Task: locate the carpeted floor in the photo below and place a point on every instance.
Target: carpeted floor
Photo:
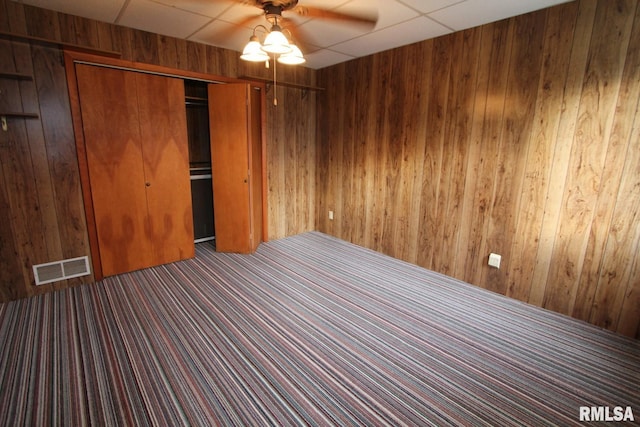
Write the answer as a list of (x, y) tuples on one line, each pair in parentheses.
[(310, 330)]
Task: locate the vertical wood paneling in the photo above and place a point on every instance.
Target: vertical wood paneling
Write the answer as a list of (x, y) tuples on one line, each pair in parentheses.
[(41, 23), (524, 143), (105, 37), (366, 94), (19, 179), (461, 96), (562, 143), (617, 297), (167, 52), (625, 111), (432, 164), (15, 17), (385, 185), (45, 216), (503, 235), (627, 322), (592, 134), (537, 169), (62, 165), (491, 130), (290, 160), (609, 286)]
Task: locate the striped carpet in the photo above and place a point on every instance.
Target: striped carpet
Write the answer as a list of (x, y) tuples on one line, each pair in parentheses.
[(310, 330)]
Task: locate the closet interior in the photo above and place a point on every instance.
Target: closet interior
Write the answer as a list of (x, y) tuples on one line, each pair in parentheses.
[(197, 106)]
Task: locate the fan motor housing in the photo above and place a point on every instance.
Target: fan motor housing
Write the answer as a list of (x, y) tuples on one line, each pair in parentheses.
[(272, 5)]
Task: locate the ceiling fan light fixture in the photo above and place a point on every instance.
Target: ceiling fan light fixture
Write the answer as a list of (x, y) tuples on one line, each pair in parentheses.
[(294, 57), (253, 51), (276, 42)]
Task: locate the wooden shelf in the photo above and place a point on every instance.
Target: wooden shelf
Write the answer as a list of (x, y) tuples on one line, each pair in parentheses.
[(16, 76), (14, 115), (292, 85), (77, 47), (19, 115)]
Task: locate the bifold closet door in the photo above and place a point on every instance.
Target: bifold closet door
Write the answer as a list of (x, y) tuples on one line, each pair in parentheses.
[(236, 166), (165, 149), (134, 128)]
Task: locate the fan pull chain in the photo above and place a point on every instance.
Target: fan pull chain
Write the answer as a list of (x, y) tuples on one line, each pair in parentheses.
[(275, 84)]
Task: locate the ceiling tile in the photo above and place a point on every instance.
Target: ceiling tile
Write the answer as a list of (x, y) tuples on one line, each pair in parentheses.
[(327, 33), (412, 31), (157, 18), (211, 9), (426, 6), (388, 12), (472, 13), (240, 12), (324, 58), (100, 10), (223, 34)]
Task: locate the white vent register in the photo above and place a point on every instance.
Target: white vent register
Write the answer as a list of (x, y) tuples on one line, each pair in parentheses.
[(61, 270)]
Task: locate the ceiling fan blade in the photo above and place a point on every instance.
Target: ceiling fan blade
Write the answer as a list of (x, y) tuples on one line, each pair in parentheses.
[(244, 2), (242, 25), (298, 38), (367, 19), (247, 20)]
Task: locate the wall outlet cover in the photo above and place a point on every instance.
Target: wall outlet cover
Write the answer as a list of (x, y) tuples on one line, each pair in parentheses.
[(494, 260)]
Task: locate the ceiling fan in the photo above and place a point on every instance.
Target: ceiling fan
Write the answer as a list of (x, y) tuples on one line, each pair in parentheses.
[(276, 42), (273, 11)]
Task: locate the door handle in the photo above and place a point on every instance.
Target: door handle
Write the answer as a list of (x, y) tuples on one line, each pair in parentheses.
[(147, 184)]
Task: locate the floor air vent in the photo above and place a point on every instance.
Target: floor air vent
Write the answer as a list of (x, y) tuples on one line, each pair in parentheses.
[(61, 270)]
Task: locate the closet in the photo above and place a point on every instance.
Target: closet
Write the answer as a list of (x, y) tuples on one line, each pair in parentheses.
[(225, 154), (166, 160), (135, 139)]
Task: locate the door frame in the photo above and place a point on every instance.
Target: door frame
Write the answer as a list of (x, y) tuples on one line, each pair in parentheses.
[(72, 57)]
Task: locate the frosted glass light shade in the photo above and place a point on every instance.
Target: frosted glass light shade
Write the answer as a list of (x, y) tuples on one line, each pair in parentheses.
[(276, 42), (253, 51), (292, 58)]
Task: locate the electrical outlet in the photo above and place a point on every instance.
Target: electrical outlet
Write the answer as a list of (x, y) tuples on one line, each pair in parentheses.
[(331, 215), (494, 260)]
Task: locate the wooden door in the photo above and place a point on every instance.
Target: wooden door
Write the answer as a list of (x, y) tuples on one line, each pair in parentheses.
[(235, 166), (135, 137), (110, 122), (255, 167), (165, 153)]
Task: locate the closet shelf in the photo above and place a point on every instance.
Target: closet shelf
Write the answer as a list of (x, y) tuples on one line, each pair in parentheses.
[(195, 99)]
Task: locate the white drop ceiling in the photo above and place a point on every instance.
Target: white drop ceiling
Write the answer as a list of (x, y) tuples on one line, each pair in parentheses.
[(324, 42)]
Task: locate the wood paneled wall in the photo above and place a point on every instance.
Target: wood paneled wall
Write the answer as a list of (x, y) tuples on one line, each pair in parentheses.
[(292, 180), (520, 137), (41, 209)]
